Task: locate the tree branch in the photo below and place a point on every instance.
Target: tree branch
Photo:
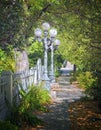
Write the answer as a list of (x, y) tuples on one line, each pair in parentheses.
[(44, 9)]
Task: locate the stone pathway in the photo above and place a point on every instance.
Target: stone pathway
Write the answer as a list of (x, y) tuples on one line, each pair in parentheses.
[(62, 93)]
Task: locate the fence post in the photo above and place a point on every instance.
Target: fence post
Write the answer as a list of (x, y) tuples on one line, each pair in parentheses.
[(9, 88), (35, 75), (39, 70)]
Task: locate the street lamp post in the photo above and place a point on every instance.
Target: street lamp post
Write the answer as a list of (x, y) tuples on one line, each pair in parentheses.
[(48, 40), (55, 43)]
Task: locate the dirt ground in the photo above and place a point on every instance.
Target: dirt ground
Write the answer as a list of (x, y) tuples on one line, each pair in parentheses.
[(84, 115)]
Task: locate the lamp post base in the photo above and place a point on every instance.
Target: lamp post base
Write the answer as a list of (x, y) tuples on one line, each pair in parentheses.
[(47, 82), (47, 85), (52, 77)]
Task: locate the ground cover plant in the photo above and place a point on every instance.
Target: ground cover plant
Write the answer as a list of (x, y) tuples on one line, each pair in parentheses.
[(7, 125), (36, 99)]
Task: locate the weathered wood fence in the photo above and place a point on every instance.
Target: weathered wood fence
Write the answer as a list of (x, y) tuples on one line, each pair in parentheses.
[(11, 83)]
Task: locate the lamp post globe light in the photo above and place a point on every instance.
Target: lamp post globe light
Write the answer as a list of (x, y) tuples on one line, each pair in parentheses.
[(48, 40)]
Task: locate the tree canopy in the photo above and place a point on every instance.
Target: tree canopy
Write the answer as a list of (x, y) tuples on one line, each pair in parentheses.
[(77, 22)]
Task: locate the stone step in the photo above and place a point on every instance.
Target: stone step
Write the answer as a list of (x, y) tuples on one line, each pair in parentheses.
[(64, 83), (63, 90), (73, 95), (69, 90)]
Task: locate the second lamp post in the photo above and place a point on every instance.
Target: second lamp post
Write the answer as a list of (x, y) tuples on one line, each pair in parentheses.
[(54, 44)]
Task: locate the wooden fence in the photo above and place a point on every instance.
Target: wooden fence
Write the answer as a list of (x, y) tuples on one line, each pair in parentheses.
[(11, 83)]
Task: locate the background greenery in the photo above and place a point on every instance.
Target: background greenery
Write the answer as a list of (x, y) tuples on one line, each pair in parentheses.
[(78, 25)]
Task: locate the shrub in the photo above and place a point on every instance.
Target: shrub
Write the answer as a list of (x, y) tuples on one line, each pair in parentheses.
[(7, 125), (86, 80), (35, 99), (57, 73), (7, 62), (31, 119)]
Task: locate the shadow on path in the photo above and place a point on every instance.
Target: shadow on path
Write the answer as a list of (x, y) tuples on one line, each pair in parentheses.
[(63, 93), (57, 117)]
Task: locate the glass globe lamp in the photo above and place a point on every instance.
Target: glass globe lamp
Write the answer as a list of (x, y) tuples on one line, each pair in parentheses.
[(57, 42), (38, 32), (53, 32), (46, 26)]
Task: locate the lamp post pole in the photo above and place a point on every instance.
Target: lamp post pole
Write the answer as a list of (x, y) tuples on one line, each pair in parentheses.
[(45, 56), (52, 63), (47, 38), (55, 43)]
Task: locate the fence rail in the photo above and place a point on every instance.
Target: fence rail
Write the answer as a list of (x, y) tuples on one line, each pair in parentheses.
[(11, 83)]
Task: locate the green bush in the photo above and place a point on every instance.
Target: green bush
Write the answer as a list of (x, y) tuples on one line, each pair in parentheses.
[(35, 99), (86, 80), (57, 73), (31, 119), (8, 64), (7, 125)]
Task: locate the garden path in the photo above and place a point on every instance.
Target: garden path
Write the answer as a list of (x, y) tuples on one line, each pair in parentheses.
[(62, 94)]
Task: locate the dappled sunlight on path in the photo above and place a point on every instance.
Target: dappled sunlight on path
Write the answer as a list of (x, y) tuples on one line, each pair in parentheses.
[(57, 116)]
